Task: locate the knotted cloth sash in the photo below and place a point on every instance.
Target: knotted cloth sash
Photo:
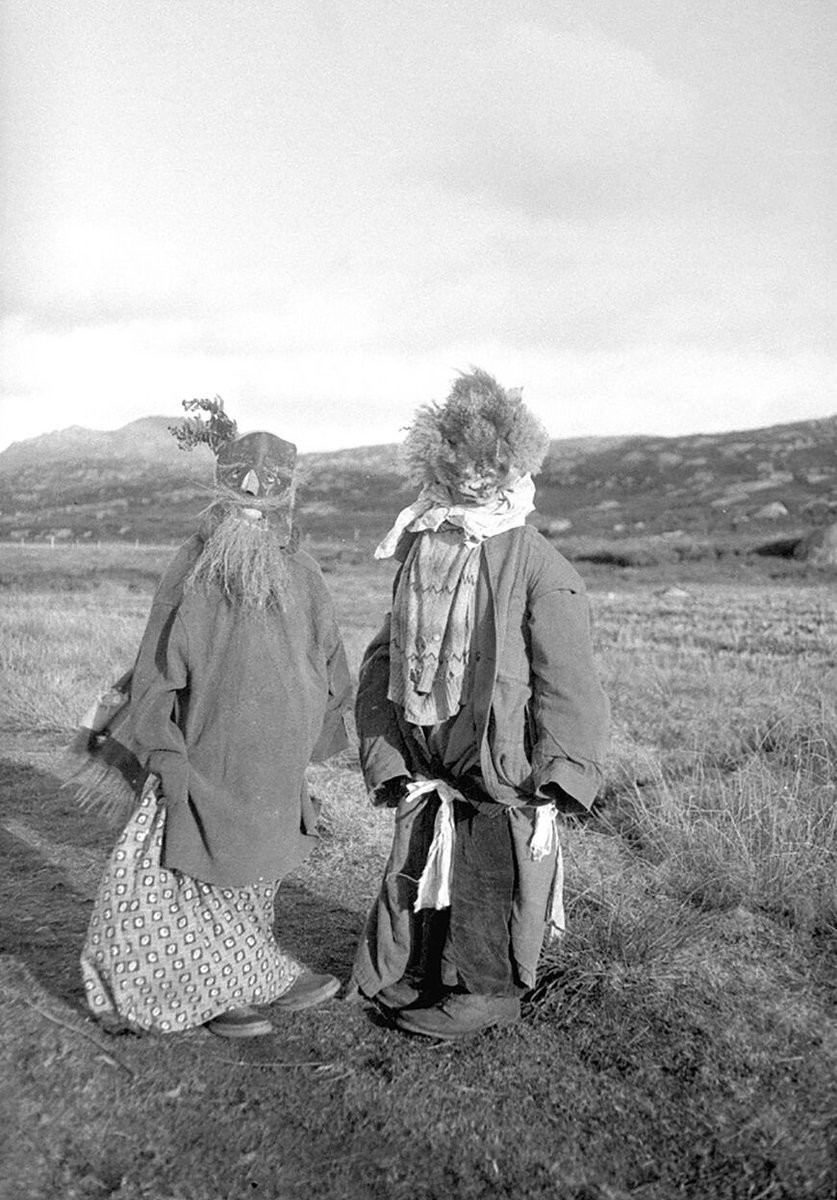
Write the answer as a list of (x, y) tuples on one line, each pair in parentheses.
[(436, 880), (544, 841)]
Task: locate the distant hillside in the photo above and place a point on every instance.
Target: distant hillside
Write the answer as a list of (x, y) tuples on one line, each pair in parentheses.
[(778, 478), (130, 483), (136, 484)]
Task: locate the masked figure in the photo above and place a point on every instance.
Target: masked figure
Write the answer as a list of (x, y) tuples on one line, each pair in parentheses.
[(480, 718), (240, 682)]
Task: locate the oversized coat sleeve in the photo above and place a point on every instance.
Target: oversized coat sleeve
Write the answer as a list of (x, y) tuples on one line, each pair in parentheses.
[(384, 753), (569, 709), (160, 673), (333, 737)]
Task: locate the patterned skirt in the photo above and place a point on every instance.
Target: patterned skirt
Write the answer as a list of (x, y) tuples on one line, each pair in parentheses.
[(168, 953)]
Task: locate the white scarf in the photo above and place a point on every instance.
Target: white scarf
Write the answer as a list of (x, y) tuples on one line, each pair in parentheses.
[(434, 506)]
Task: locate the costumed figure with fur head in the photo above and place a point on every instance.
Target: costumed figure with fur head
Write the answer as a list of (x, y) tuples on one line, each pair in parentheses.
[(480, 718)]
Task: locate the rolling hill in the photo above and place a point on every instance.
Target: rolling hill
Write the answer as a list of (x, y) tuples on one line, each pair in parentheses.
[(136, 484)]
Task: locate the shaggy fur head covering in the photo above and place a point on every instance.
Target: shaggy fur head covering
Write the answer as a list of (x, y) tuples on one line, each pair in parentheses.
[(481, 426)]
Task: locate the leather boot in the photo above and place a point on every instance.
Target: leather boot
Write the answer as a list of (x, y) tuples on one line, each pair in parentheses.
[(459, 1015)]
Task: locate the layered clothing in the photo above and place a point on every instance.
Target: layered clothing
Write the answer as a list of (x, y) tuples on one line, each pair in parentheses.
[(210, 736), (529, 731)]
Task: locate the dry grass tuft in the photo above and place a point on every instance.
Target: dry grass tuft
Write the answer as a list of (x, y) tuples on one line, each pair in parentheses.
[(614, 944)]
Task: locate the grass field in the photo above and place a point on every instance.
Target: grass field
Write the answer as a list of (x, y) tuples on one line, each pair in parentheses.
[(681, 1041)]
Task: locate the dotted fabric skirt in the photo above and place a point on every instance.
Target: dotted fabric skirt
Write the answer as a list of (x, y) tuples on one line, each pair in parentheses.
[(167, 952)]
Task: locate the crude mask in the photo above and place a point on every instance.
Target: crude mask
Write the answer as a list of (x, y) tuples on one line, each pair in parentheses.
[(255, 474)]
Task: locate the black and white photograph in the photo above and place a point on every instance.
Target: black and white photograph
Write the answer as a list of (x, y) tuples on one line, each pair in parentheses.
[(418, 600)]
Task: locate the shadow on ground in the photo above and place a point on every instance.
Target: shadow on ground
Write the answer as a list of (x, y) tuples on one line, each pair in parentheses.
[(315, 930), (53, 855)]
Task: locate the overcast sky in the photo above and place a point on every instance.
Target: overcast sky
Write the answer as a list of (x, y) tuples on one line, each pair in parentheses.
[(322, 209)]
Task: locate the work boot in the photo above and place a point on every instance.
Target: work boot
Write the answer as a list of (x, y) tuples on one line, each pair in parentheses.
[(245, 1022), (460, 1014), (306, 991)]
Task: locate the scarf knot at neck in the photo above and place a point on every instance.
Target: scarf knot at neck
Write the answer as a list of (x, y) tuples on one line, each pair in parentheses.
[(435, 506)]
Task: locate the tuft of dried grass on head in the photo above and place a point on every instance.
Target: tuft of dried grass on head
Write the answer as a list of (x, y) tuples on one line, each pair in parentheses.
[(480, 425)]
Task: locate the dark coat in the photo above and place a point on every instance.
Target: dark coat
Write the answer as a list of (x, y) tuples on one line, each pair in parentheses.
[(537, 717), (228, 706)]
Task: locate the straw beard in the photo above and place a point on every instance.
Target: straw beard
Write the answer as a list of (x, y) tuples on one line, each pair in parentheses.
[(246, 559)]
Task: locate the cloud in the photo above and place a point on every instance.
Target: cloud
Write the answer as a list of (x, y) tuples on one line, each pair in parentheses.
[(732, 312), (479, 272), (557, 122), (329, 398), (619, 217)]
